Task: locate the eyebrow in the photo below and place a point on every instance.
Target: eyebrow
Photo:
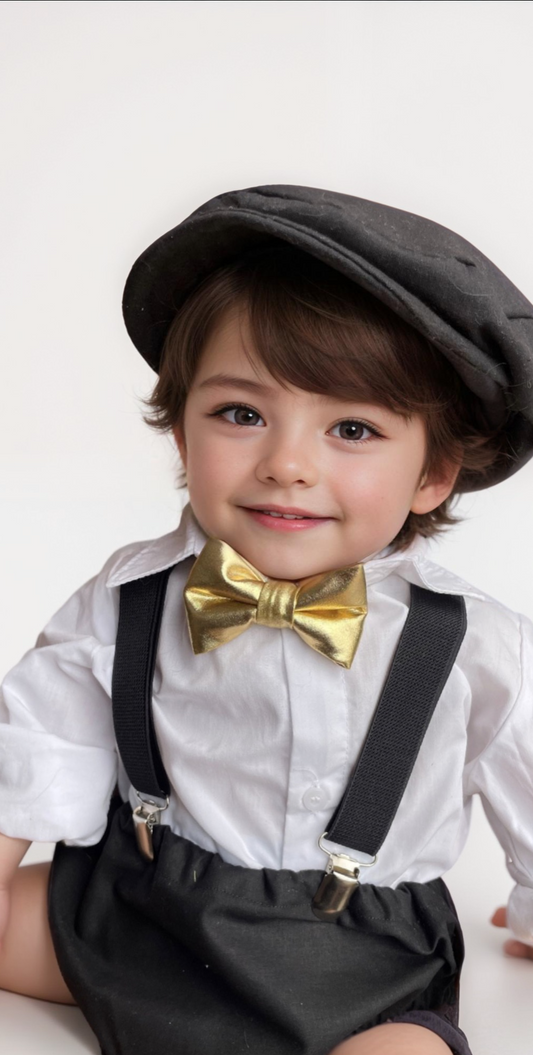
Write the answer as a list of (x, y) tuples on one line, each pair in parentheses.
[(231, 381)]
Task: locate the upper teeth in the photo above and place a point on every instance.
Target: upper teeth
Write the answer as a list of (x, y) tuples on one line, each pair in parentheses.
[(286, 516)]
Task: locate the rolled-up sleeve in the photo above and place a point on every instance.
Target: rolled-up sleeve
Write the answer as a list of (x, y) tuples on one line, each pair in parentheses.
[(58, 760), (503, 777)]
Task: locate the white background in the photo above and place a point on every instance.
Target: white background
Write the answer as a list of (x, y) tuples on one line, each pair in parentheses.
[(117, 120)]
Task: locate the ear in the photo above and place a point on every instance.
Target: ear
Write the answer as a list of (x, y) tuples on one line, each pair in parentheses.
[(434, 489), (179, 436)]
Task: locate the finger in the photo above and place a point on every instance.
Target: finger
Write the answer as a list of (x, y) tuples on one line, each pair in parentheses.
[(519, 949), (499, 917)]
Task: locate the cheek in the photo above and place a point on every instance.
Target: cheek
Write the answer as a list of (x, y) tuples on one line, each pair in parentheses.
[(211, 466), (382, 488)]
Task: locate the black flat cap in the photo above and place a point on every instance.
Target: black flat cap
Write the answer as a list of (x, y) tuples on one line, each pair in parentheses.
[(434, 279)]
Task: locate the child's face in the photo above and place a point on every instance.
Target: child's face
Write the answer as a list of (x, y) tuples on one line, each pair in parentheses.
[(292, 448)]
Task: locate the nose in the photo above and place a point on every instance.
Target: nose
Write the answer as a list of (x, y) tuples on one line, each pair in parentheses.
[(288, 460)]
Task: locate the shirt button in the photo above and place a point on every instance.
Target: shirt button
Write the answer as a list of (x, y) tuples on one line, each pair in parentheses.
[(315, 799)]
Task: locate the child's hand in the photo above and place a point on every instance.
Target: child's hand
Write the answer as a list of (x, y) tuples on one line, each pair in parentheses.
[(512, 947)]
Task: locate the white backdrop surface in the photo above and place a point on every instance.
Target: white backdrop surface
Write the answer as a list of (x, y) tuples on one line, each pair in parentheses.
[(120, 118)]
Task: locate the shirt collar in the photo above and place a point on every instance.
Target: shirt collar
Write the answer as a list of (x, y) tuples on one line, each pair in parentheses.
[(415, 565), (188, 540)]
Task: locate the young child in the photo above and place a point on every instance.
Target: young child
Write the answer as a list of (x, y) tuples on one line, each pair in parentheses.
[(256, 739)]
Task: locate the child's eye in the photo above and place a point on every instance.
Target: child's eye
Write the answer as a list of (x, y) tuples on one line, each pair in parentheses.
[(244, 413), (354, 429)]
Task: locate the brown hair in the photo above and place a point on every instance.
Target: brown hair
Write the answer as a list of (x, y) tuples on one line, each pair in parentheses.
[(315, 329)]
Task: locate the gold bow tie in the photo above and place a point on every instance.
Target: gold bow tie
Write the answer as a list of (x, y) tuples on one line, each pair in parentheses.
[(224, 594)]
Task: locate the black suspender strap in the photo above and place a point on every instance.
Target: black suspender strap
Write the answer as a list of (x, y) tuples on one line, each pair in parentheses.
[(426, 652), (428, 646), (139, 623)]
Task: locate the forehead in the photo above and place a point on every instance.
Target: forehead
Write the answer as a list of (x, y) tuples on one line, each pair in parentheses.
[(229, 359), (229, 340)]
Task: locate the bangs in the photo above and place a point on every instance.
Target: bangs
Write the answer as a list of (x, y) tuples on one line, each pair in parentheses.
[(313, 328)]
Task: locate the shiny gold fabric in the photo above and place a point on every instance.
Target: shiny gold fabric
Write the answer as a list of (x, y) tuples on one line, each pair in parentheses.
[(224, 594)]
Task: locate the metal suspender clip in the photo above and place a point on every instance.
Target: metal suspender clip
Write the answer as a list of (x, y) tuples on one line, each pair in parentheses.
[(145, 817), (340, 880)]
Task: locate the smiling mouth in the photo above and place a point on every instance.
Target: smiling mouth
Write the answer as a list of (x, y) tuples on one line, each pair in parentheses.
[(286, 514), (283, 516), (275, 520)]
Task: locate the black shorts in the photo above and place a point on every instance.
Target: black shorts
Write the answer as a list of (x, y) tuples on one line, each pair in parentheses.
[(189, 954)]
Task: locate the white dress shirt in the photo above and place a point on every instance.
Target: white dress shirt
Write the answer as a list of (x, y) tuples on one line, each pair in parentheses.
[(259, 736)]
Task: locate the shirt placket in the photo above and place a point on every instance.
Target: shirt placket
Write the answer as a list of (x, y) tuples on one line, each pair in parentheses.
[(319, 756)]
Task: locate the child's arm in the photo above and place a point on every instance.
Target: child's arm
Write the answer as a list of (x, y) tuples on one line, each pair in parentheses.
[(11, 853), (500, 769), (58, 759)]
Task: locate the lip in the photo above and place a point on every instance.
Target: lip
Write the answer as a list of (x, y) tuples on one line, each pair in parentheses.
[(288, 509), (279, 524)]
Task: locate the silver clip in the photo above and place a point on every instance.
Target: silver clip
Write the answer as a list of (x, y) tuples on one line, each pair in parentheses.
[(145, 817), (338, 883)]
